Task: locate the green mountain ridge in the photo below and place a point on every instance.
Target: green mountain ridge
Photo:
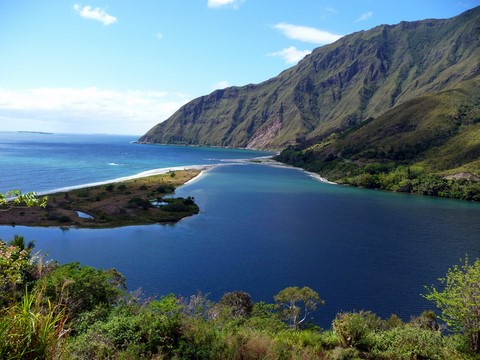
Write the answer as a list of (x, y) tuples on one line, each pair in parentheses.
[(335, 88), (439, 132)]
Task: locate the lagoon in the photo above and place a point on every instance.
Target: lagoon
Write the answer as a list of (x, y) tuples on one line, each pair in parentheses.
[(263, 228)]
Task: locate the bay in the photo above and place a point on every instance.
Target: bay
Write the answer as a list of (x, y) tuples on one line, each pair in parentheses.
[(44, 162), (263, 228)]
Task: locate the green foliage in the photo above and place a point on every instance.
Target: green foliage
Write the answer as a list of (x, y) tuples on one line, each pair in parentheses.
[(16, 198), (459, 301), (19, 242), (410, 148), (180, 204), (82, 288), (409, 342), (166, 188), (15, 265), (32, 330), (413, 179), (426, 321), (78, 312), (357, 329), (264, 318), (238, 304), (291, 300), (138, 202)]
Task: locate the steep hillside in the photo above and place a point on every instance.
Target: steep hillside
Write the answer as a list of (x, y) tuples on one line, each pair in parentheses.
[(420, 146), (338, 86), (439, 131)]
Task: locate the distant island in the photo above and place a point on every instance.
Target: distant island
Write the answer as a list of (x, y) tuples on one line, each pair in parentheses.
[(36, 132), (145, 200)]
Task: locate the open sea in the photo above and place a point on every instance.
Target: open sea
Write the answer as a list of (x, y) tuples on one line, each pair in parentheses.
[(260, 228)]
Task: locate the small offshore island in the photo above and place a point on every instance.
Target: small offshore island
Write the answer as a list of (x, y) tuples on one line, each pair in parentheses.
[(137, 201)]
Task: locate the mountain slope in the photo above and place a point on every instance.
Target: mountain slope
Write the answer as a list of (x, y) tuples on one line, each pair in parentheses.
[(439, 132), (338, 86)]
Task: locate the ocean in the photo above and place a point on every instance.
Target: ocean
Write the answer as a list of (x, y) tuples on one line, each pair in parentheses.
[(44, 162), (260, 228)]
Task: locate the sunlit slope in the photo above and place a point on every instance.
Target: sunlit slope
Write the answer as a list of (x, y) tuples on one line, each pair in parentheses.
[(338, 86)]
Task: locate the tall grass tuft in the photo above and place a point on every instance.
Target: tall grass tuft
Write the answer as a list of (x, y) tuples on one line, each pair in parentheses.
[(33, 329)]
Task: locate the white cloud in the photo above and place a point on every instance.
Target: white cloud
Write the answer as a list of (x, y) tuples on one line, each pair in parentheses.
[(87, 110), (222, 3), (159, 36), (307, 34), (364, 16), (291, 55), (221, 85), (97, 14)]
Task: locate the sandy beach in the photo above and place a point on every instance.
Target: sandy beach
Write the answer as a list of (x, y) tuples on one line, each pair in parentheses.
[(143, 174)]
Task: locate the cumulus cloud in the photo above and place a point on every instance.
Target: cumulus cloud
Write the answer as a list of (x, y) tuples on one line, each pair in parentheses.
[(291, 55), (235, 4), (97, 14), (365, 16), (307, 34), (220, 85), (87, 109)]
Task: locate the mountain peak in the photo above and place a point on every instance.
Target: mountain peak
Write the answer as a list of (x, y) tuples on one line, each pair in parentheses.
[(362, 75)]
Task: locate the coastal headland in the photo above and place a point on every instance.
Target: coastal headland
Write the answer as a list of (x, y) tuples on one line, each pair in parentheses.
[(137, 200)]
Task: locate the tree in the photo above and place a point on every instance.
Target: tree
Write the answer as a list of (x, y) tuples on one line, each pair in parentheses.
[(294, 302), (460, 301), (238, 303)]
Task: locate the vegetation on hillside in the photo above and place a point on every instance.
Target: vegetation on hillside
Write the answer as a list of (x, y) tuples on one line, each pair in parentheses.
[(53, 311), (428, 146)]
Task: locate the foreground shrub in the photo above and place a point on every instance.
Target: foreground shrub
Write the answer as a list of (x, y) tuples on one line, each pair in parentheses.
[(410, 342), (30, 330), (357, 329), (133, 329), (15, 267), (459, 301), (83, 288)]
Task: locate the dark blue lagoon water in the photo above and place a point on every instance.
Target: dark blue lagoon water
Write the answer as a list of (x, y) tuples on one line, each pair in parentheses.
[(263, 228)]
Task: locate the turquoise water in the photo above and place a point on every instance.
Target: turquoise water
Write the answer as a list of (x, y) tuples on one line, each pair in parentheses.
[(43, 162), (263, 228)]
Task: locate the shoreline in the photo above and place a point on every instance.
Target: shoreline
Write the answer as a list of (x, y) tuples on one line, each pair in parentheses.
[(144, 198), (143, 174), (119, 202), (264, 160), (269, 161)]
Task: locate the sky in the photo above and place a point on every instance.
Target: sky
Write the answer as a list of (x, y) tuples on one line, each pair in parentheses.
[(122, 66)]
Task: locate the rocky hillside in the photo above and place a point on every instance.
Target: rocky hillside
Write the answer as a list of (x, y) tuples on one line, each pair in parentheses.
[(361, 77)]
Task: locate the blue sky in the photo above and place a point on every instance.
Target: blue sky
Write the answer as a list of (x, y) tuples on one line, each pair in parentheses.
[(123, 66)]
